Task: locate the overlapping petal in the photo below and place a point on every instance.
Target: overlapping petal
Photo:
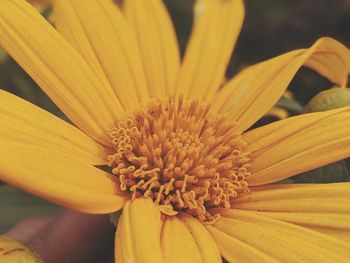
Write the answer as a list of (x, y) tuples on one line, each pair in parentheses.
[(235, 250), (315, 198), (60, 71), (48, 157), (333, 224), (157, 42), (138, 233), (100, 33), (21, 121), (320, 207), (250, 94), (280, 240), (57, 176), (206, 245), (144, 236), (177, 242), (298, 144), (215, 31)]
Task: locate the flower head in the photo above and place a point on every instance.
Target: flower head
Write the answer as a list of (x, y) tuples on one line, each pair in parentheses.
[(193, 184), (182, 157)]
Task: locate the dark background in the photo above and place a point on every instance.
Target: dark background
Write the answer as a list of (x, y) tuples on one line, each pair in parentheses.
[(273, 27)]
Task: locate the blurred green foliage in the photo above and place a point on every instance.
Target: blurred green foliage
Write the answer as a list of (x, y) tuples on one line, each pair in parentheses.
[(331, 173), (329, 99), (335, 172), (16, 205)]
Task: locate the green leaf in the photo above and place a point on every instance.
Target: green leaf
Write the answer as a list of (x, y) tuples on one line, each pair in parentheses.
[(289, 104), (16, 205), (335, 172), (114, 217), (3, 56), (331, 173), (329, 99)]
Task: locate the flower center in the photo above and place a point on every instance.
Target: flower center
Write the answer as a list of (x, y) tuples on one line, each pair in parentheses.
[(182, 156)]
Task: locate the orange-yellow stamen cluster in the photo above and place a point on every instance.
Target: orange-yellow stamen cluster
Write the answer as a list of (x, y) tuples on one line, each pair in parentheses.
[(182, 156)]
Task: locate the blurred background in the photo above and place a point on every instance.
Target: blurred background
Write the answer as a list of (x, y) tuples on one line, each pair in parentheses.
[(271, 27)]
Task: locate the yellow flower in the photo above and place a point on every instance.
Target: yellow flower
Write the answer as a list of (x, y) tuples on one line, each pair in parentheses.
[(193, 183)]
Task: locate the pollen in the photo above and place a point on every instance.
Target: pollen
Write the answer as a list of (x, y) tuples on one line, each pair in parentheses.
[(182, 156)]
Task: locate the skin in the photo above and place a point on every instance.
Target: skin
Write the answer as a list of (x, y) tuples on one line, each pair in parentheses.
[(70, 237)]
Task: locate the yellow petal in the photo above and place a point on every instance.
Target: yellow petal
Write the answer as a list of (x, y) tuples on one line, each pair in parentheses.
[(12, 251), (315, 198), (157, 42), (57, 176), (264, 136), (138, 233), (99, 32), (331, 220), (298, 144), (235, 250), (177, 242), (22, 121), (283, 241), (334, 232), (59, 70), (215, 32), (278, 186), (334, 224), (208, 249), (250, 94)]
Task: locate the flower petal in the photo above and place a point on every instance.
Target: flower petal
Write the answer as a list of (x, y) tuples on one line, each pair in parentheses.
[(57, 176), (235, 250), (177, 242), (283, 241), (315, 198), (58, 69), (21, 121), (250, 94), (157, 42), (99, 32), (138, 233), (208, 249), (327, 218), (336, 222), (12, 250), (340, 233), (298, 144), (215, 32)]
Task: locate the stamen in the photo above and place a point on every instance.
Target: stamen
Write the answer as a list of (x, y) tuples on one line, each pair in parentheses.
[(182, 156)]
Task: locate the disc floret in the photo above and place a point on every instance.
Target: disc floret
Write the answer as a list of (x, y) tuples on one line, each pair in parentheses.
[(181, 156)]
